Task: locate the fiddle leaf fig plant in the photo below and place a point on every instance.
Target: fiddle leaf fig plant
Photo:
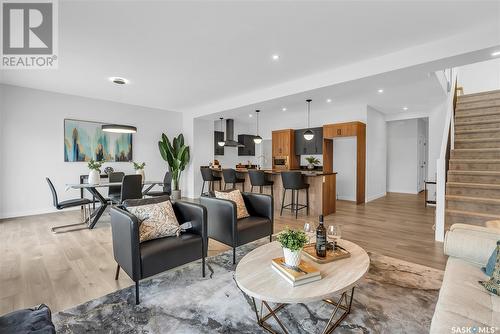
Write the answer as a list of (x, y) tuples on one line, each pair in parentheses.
[(176, 154)]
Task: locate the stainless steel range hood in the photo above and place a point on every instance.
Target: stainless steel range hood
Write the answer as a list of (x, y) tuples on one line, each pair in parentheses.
[(230, 142)]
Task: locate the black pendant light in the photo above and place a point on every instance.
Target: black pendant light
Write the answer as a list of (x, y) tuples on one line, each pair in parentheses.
[(308, 134), (221, 142), (117, 128), (257, 139)]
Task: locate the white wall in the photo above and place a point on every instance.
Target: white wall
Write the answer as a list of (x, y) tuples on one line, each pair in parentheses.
[(344, 163), (376, 155), (32, 144), (402, 156), (480, 77)]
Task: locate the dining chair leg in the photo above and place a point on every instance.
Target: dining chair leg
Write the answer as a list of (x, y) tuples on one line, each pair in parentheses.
[(283, 201), (202, 187), (234, 185), (307, 200), (272, 191), (261, 189), (297, 204), (117, 274), (225, 184), (220, 185)]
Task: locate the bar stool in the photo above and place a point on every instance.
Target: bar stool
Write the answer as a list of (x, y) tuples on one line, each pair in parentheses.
[(295, 182), (208, 176), (258, 179), (230, 176)]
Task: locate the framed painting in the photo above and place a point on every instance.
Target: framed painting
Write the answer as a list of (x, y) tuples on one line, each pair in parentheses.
[(84, 141)]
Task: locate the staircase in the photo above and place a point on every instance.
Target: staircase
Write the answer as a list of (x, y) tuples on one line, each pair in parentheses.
[(473, 183)]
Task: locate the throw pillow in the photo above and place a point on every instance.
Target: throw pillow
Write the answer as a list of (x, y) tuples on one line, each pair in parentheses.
[(235, 196), (156, 220), (493, 285), (490, 266)]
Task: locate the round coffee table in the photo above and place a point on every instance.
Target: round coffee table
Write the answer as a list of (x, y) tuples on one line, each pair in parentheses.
[(257, 279)]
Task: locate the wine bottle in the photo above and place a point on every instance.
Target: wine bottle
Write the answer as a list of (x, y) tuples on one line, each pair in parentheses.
[(321, 238)]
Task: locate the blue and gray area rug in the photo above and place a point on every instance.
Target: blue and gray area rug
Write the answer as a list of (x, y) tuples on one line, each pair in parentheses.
[(394, 297)]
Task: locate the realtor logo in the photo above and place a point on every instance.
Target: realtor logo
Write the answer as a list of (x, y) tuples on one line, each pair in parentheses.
[(29, 34)]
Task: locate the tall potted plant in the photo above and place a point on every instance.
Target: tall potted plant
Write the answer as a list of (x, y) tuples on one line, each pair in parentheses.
[(176, 154)]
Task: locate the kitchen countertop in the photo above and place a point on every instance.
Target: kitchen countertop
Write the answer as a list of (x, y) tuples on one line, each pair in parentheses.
[(278, 171)]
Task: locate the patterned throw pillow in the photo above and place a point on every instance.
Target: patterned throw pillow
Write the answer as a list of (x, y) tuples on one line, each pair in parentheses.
[(156, 220), (493, 285), (235, 196)]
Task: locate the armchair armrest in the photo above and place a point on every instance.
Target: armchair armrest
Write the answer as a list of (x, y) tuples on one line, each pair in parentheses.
[(197, 215), (471, 243), (221, 219), (259, 205), (126, 248)]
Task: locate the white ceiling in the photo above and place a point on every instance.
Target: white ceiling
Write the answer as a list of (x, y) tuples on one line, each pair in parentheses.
[(184, 54)]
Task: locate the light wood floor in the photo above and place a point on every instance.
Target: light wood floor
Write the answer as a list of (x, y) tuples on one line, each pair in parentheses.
[(63, 270)]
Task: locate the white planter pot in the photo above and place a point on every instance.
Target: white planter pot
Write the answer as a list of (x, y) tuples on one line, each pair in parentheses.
[(310, 166), (176, 195), (94, 177), (292, 258), (141, 172)]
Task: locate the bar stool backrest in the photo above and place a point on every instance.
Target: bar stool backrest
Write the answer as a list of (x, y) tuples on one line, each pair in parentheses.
[(292, 180), (229, 175), (257, 178)]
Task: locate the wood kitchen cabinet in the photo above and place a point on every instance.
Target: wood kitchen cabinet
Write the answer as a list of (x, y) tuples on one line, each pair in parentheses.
[(284, 146)]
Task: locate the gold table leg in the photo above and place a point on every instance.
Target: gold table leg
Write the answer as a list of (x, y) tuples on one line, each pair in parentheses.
[(343, 303)]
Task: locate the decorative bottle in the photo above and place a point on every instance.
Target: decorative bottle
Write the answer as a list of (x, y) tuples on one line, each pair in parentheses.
[(321, 238)]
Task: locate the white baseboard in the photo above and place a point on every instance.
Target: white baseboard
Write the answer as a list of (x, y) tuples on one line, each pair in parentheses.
[(374, 197), (346, 198), (402, 191)]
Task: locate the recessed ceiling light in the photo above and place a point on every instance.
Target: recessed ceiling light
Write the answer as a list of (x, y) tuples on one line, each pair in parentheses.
[(380, 91), (119, 81), (250, 115), (496, 53), (328, 100), (276, 57), (405, 108), (283, 109)]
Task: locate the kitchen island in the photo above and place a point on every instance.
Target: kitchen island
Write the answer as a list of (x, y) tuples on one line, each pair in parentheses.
[(322, 190)]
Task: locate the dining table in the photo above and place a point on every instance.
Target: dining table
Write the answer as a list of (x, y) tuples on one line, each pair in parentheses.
[(93, 190)]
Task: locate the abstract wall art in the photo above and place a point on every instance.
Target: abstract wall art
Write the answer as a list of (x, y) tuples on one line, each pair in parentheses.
[(84, 140)]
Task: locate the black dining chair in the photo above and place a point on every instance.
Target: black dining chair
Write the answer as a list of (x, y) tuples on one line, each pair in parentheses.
[(115, 192), (208, 176), (294, 181), (131, 187), (71, 203), (258, 178), (230, 176), (167, 187)]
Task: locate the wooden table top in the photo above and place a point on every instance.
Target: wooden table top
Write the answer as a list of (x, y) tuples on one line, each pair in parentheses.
[(257, 279), (278, 171)]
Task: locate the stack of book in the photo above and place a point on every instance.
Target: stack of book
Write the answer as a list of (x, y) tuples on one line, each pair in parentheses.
[(302, 274)]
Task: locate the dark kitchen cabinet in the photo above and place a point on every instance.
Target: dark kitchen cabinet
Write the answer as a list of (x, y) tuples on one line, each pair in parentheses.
[(313, 146), (218, 136), (249, 149)]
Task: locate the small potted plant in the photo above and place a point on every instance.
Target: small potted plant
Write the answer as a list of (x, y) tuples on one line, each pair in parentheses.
[(95, 171), (139, 169), (312, 162), (292, 242)]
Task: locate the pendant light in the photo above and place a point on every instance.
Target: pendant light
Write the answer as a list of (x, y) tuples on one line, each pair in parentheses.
[(257, 139), (308, 134), (221, 142), (117, 128)]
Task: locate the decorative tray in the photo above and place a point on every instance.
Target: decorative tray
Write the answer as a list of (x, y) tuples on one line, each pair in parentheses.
[(331, 255)]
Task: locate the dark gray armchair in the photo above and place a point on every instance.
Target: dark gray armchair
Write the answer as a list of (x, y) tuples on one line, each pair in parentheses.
[(142, 260), (224, 227)]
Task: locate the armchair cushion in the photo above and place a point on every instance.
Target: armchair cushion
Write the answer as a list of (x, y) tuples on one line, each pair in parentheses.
[(162, 254), (156, 220), (253, 228), (235, 196)]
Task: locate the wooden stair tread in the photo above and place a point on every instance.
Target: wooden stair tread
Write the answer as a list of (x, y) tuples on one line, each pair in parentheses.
[(475, 172), (478, 122), (459, 132), (473, 185), (473, 199), (489, 92), (485, 110), (475, 160), (472, 214), (487, 149), (476, 140)]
